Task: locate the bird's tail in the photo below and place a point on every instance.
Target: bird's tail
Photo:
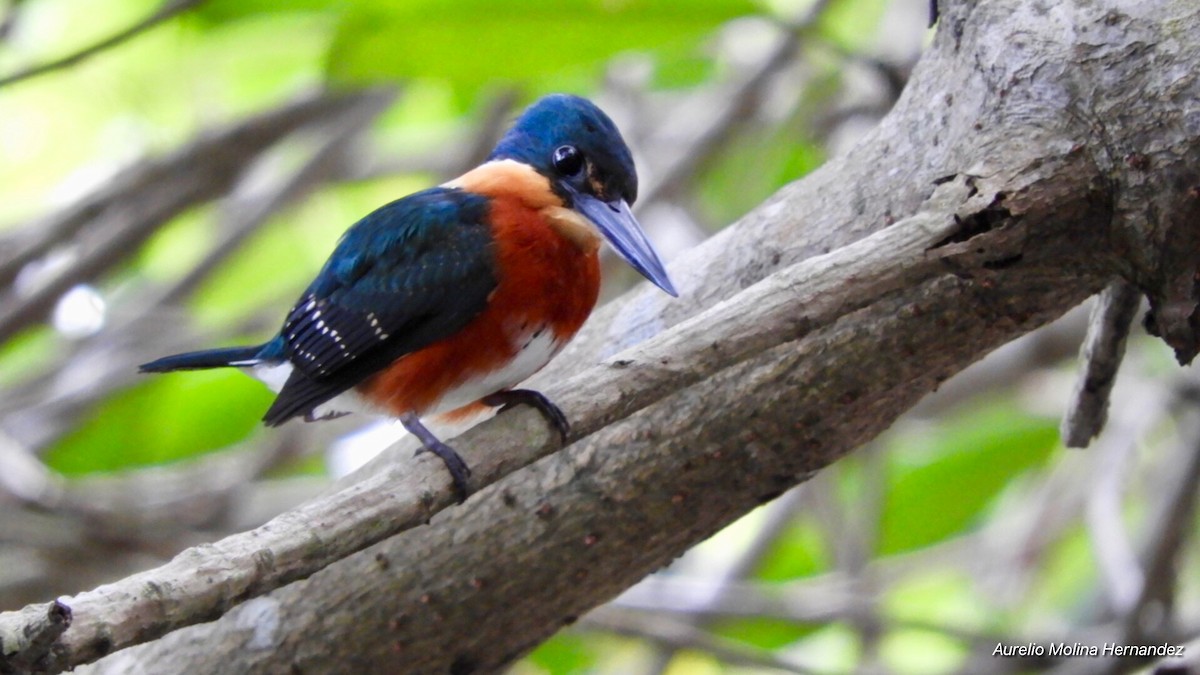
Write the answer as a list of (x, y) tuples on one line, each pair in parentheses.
[(209, 358)]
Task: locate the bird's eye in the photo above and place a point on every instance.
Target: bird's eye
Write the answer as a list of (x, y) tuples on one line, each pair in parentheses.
[(567, 159)]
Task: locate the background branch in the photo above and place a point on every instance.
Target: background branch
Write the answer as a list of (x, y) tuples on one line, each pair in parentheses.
[(1100, 358), (170, 9), (135, 205)]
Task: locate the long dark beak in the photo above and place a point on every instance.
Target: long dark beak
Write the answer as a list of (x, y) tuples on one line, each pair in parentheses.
[(622, 230)]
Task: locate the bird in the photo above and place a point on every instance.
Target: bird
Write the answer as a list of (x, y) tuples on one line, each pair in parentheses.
[(440, 303)]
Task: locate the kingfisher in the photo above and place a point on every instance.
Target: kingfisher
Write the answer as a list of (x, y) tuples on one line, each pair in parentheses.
[(440, 303)]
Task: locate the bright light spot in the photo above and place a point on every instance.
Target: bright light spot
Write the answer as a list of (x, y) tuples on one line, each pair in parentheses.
[(79, 312), (358, 447)]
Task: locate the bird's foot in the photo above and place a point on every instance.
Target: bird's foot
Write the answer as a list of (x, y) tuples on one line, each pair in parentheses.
[(512, 397), (459, 471)]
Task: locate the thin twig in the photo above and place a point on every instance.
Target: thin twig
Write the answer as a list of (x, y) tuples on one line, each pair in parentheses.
[(8, 21), (495, 119), (741, 103), (779, 515), (1151, 616), (1100, 359), (167, 11), (1115, 553), (857, 548), (676, 635), (244, 216), (827, 598), (222, 150), (47, 623)]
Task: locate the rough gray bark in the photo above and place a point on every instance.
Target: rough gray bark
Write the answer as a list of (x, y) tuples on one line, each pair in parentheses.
[(1076, 122)]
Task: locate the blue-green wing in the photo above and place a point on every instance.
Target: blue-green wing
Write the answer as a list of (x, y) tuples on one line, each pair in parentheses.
[(409, 274)]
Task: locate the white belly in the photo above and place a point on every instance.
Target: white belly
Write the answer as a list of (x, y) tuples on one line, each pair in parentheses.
[(536, 350)]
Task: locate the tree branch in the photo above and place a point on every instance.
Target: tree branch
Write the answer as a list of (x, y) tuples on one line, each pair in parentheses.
[(751, 402), (169, 10), (782, 308), (20, 649)]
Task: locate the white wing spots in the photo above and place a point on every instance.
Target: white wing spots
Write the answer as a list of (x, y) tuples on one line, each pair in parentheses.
[(376, 327), (312, 336)]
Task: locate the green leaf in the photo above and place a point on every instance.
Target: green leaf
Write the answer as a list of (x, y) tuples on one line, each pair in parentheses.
[(753, 168), (923, 652), (799, 552), (1067, 580), (853, 24), (169, 417), (572, 652), (471, 43), (682, 69), (764, 632), (939, 484), (694, 662), (178, 246), (940, 596), (26, 354)]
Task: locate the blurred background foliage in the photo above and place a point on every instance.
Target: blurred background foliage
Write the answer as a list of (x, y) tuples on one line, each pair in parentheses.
[(123, 236)]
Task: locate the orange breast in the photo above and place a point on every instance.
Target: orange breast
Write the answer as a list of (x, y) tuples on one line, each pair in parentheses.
[(544, 281)]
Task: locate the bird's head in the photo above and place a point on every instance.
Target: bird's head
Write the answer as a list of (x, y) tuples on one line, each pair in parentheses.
[(579, 150)]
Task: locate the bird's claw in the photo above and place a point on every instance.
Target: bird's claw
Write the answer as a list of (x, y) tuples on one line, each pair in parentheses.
[(513, 397), (459, 471)]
